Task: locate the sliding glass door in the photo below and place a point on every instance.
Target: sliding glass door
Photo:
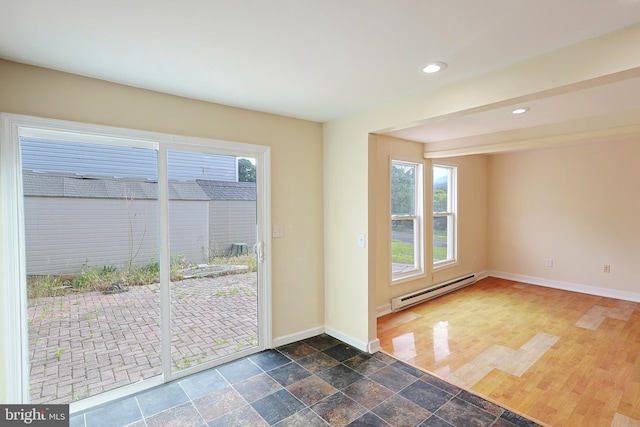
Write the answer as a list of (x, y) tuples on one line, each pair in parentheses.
[(214, 274), (91, 243), (141, 257)]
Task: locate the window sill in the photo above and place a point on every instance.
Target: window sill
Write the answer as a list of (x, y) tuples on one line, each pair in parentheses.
[(407, 277), (444, 264)]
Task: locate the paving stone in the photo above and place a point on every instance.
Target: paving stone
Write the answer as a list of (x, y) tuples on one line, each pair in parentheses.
[(114, 339)]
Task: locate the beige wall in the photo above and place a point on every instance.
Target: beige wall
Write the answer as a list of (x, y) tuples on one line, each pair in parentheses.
[(333, 195), (351, 281), (578, 206), (296, 165), (345, 173), (472, 218)]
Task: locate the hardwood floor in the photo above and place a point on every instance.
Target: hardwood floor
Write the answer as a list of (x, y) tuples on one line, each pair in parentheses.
[(559, 357)]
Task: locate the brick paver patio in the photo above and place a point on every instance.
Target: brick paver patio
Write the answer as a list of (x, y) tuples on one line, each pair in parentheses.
[(83, 344)]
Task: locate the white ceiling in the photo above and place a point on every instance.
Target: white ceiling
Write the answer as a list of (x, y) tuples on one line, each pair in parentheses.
[(312, 59), (588, 103)]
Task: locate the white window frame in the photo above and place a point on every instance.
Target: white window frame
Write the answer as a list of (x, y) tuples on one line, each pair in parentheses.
[(451, 214), (417, 217), (14, 361)]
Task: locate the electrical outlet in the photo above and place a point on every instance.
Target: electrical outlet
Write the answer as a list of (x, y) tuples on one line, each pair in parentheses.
[(549, 262), (607, 268)]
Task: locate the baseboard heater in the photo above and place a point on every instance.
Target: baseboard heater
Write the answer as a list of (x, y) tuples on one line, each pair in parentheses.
[(413, 298)]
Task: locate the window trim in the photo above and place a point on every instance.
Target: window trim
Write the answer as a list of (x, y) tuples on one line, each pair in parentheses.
[(419, 270), (451, 213)]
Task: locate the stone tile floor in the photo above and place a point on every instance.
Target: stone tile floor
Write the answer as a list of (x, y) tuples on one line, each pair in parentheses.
[(87, 343), (319, 381)]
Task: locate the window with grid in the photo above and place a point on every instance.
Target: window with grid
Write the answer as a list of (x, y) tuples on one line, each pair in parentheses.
[(407, 241), (444, 214)]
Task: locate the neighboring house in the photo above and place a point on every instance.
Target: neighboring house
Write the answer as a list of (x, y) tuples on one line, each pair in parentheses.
[(74, 221), (43, 155)]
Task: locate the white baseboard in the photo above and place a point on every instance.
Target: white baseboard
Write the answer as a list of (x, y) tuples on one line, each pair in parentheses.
[(482, 275), (360, 345), (374, 346), (383, 310), (567, 286), (370, 347), (298, 336)]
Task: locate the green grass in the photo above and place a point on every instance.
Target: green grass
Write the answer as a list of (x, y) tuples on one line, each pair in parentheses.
[(98, 278), (45, 286), (402, 252), (439, 253), (247, 259)]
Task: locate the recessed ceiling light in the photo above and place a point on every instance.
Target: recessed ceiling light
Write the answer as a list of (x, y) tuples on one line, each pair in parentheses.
[(520, 110), (434, 67)]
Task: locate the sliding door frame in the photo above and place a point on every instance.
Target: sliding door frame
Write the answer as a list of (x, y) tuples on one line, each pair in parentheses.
[(14, 360)]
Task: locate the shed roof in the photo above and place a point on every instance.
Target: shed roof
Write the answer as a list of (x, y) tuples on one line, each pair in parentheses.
[(227, 190), (100, 187)]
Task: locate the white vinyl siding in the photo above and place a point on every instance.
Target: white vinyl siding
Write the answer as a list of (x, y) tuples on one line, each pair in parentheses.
[(63, 235), (183, 166), (232, 221), (41, 155), (189, 230)]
